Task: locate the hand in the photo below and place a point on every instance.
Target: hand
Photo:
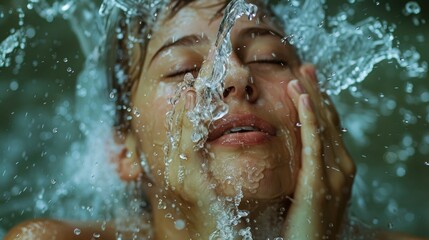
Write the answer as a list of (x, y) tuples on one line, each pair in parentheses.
[(327, 171), (188, 177), (185, 164)]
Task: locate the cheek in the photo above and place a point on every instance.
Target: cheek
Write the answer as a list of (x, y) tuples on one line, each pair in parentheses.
[(150, 126), (164, 90), (152, 123), (274, 98), (284, 114), (152, 102)]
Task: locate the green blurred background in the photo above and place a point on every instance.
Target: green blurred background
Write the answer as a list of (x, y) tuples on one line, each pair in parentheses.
[(37, 125)]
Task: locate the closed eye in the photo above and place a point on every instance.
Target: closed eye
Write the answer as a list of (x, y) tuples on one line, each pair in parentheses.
[(181, 72), (269, 61)]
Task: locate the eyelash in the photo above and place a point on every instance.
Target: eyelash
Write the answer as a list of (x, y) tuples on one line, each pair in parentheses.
[(182, 72), (270, 61)]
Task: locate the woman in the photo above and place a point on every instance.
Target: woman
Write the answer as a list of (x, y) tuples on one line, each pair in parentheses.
[(273, 167)]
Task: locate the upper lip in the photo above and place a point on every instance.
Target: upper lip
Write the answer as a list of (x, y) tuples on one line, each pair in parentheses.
[(221, 126)]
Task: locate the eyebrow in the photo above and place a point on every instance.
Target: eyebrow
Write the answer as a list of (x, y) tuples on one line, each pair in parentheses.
[(185, 41)]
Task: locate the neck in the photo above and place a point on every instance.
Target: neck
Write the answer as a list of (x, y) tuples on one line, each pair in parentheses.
[(223, 219)]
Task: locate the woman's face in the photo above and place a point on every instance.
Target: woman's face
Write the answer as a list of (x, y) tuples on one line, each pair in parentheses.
[(256, 146)]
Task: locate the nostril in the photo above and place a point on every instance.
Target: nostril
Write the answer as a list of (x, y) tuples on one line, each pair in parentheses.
[(227, 91), (249, 90)]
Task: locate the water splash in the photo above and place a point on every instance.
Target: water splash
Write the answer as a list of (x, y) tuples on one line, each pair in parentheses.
[(209, 85), (16, 42), (333, 47), (57, 9), (210, 106), (228, 218), (7, 46)]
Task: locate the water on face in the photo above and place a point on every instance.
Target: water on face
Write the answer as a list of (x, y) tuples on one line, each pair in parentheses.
[(345, 53), (209, 88)]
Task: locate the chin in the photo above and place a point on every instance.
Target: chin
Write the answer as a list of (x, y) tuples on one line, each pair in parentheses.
[(275, 184), (253, 174)]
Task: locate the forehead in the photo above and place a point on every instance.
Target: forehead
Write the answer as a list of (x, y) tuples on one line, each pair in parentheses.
[(193, 18)]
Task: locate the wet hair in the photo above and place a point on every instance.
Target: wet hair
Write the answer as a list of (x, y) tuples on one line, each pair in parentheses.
[(126, 58)]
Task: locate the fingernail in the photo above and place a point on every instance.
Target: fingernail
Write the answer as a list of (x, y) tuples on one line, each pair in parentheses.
[(297, 86), (307, 102)]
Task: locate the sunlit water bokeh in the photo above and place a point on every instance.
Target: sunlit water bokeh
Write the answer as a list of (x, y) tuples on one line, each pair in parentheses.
[(54, 160)]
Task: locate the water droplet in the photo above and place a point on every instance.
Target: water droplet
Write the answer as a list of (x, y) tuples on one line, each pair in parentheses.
[(161, 204), (136, 112), (427, 163), (69, 70), (251, 80), (288, 40), (13, 85), (30, 32), (53, 181), (113, 94), (76, 231), (412, 7), (67, 6), (401, 171), (96, 235), (183, 156), (409, 87), (55, 130), (251, 11), (103, 226)]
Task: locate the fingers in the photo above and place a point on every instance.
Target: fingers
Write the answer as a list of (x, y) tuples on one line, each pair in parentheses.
[(312, 165), (337, 158), (322, 123), (321, 178), (308, 203), (181, 146), (186, 174)]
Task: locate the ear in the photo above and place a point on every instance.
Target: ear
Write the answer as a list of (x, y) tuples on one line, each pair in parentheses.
[(128, 160)]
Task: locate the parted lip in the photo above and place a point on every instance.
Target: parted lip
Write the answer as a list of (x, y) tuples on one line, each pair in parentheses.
[(222, 126)]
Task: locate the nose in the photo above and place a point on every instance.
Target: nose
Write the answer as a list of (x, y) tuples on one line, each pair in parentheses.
[(239, 84)]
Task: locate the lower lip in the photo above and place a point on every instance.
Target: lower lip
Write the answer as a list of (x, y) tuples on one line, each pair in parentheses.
[(242, 139)]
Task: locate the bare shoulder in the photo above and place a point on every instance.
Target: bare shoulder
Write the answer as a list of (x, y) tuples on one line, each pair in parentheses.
[(58, 230), (386, 235)]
